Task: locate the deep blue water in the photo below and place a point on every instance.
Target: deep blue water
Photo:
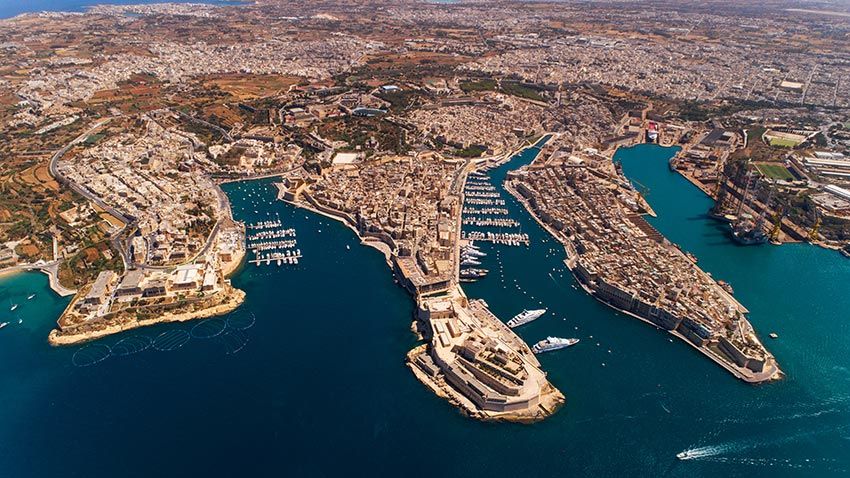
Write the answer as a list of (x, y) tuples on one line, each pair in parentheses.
[(317, 386), (11, 8)]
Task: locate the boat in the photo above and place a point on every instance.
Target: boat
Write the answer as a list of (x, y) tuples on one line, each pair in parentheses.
[(774, 335), (4, 324), (470, 262), (652, 132), (30, 297), (748, 233), (552, 343), (474, 253), (14, 306), (471, 275), (525, 317), (686, 455), (722, 216)]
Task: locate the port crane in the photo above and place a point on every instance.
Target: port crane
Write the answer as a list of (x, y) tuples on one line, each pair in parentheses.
[(777, 225), (813, 234)]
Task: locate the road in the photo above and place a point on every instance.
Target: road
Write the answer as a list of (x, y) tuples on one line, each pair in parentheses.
[(116, 241)]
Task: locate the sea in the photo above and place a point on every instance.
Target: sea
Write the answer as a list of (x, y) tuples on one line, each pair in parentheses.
[(11, 8), (308, 378)]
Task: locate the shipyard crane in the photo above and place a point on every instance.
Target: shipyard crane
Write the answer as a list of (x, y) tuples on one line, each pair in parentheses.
[(777, 225), (813, 234)]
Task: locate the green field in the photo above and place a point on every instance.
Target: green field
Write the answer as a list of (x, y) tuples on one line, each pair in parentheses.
[(482, 85), (775, 171), (783, 143)]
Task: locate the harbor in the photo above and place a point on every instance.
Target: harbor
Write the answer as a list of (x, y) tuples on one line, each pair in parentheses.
[(772, 430)]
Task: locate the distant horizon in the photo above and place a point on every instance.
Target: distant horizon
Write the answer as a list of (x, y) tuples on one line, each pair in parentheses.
[(13, 8)]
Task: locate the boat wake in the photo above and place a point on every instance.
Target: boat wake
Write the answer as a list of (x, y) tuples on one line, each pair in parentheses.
[(716, 452), (706, 452)]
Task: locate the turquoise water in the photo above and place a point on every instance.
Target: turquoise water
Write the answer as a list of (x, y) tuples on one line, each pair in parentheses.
[(10, 8), (308, 377)]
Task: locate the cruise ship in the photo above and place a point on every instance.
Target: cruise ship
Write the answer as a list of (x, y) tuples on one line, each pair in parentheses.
[(652, 132), (552, 343), (525, 317)]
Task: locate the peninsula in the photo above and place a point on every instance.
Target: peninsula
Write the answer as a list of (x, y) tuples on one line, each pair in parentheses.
[(409, 207), (586, 203)]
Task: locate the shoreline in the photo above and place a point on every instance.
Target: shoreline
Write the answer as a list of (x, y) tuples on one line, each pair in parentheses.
[(52, 280), (235, 299)]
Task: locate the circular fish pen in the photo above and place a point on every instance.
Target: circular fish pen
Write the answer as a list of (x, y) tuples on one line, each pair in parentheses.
[(90, 355), (233, 341), (208, 328), (241, 321), (171, 340), (131, 345)]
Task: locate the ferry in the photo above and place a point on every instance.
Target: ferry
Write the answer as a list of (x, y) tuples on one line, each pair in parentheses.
[(552, 343), (525, 317)]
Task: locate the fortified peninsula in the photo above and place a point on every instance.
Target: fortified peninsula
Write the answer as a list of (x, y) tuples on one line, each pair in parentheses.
[(586, 203), (410, 208)]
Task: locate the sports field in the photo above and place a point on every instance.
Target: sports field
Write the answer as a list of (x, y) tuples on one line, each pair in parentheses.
[(775, 171)]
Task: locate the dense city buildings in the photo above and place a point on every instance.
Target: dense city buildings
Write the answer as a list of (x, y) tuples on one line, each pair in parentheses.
[(623, 261)]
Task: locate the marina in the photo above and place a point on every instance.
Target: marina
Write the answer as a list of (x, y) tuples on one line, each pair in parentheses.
[(271, 243)]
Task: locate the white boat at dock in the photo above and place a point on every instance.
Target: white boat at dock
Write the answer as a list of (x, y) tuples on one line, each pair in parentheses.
[(525, 317)]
